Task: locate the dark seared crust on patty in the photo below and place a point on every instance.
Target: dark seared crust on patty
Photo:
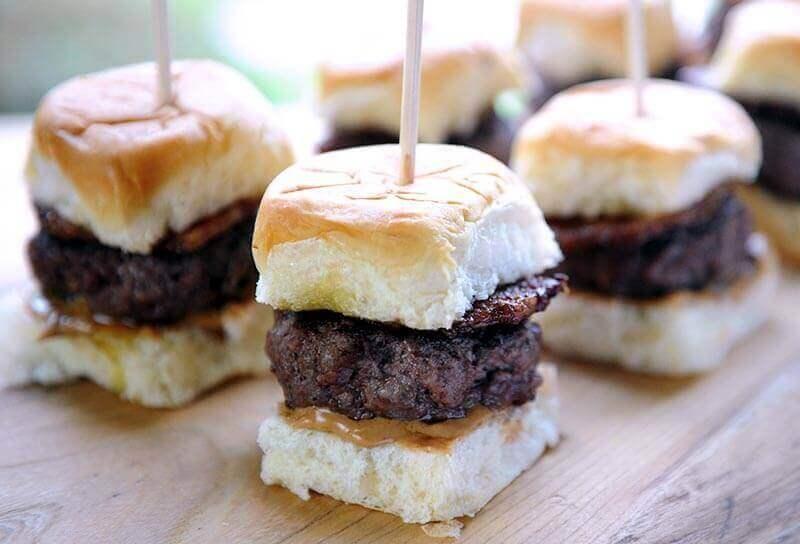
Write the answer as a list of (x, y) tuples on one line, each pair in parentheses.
[(493, 135), (364, 369), (512, 304), (702, 246), (160, 288)]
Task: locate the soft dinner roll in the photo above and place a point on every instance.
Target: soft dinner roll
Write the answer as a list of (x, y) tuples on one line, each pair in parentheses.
[(759, 55), (460, 80), (587, 153), (569, 41), (416, 484), (152, 366), (355, 241), (107, 157), (681, 334)]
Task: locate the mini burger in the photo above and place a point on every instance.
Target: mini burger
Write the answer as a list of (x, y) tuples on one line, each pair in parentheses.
[(758, 65), (403, 340), (142, 259), (360, 101), (665, 271), (567, 42)]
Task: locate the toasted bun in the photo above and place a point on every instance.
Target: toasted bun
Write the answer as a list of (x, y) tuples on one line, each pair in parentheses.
[(759, 55), (681, 334), (106, 157), (779, 219), (586, 153), (155, 368), (338, 232), (417, 485), (459, 83), (570, 41)]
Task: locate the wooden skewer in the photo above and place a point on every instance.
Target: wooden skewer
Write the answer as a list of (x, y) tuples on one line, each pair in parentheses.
[(412, 68), (637, 53), (163, 56)]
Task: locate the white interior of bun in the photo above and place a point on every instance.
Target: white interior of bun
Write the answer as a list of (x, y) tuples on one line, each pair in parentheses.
[(507, 243), (418, 486), (572, 186), (157, 369), (681, 334)]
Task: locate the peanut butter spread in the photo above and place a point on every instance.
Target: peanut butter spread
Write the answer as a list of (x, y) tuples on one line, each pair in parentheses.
[(370, 433)]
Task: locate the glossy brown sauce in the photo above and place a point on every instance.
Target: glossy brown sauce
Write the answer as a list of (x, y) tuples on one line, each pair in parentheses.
[(369, 433), (74, 318)]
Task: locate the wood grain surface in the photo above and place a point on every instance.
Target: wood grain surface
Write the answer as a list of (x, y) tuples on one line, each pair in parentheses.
[(643, 460)]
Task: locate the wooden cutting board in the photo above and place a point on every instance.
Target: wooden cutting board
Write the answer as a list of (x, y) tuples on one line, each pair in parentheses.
[(712, 459)]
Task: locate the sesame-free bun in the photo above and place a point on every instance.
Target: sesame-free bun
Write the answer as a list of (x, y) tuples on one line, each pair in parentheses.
[(417, 485), (680, 334), (156, 367), (339, 232), (778, 218), (460, 80), (758, 57), (569, 41), (587, 153), (106, 156)]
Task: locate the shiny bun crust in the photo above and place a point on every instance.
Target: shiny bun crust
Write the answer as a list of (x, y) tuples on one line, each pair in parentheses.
[(759, 55), (108, 158), (587, 154), (459, 83), (338, 232), (570, 41)]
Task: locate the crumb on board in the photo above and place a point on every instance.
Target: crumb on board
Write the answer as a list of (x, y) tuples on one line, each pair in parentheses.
[(444, 529)]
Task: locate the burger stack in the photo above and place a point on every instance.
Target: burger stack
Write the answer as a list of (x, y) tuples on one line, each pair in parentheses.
[(142, 259), (758, 64), (403, 339), (666, 273), (567, 42), (360, 99)]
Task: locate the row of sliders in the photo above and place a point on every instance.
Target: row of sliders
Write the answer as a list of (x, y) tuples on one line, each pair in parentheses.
[(403, 321)]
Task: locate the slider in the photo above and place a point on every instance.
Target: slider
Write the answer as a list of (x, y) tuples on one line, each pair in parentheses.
[(666, 273), (360, 100), (403, 338), (567, 42), (142, 258), (758, 65)]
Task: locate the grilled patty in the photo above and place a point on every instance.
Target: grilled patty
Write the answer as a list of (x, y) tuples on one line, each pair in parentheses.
[(364, 369), (492, 135), (702, 246), (203, 268)]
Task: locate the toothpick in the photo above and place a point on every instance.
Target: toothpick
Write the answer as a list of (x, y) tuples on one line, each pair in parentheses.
[(637, 53), (161, 25), (412, 68)]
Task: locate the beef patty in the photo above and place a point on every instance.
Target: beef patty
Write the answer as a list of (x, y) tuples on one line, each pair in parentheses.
[(160, 288), (702, 246), (364, 369), (492, 135)]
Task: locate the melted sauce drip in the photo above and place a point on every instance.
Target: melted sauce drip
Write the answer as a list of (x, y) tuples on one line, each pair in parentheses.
[(370, 433), (74, 318)]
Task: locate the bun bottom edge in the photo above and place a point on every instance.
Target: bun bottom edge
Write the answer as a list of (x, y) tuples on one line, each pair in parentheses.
[(158, 368)]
